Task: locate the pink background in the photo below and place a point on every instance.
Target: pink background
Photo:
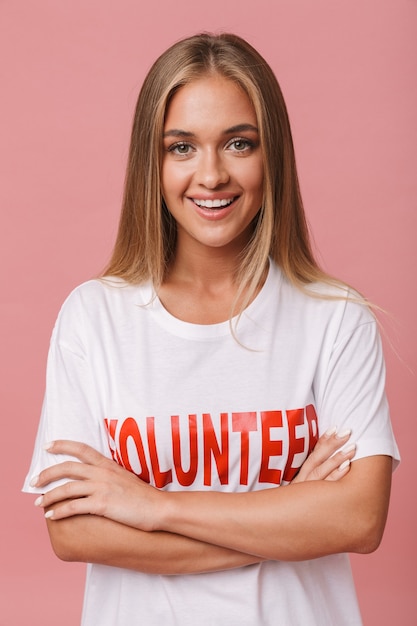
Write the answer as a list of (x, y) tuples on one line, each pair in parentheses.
[(70, 72)]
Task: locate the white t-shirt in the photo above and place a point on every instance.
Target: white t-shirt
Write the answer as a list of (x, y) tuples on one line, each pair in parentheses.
[(189, 406)]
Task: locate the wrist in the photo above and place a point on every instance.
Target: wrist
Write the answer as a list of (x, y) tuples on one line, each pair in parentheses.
[(166, 511)]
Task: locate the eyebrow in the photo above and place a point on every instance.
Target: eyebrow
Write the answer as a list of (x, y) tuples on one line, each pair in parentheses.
[(239, 128)]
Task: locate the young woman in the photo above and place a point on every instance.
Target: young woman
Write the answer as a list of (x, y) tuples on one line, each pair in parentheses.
[(188, 387)]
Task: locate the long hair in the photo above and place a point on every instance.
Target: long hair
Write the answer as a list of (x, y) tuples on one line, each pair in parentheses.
[(146, 239)]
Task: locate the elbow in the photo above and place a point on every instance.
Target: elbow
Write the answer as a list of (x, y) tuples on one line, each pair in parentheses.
[(369, 534), (368, 545), (64, 552), (369, 542), (63, 540)]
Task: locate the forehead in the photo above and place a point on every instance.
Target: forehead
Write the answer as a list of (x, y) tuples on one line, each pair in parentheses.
[(213, 100)]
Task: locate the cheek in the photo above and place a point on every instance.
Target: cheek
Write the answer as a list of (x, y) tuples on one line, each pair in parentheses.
[(255, 180), (173, 179), (166, 178)]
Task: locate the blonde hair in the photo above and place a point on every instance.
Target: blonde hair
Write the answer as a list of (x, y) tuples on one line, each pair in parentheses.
[(146, 239)]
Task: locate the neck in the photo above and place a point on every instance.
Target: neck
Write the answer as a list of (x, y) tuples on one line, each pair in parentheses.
[(203, 268), (206, 265), (201, 286)]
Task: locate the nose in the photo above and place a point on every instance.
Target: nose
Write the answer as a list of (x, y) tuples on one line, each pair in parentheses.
[(211, 170)]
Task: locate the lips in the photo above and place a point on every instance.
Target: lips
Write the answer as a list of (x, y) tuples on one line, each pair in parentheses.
[(215, 203), (214, 209)]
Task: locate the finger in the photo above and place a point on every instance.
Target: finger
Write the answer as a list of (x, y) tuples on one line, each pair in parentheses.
[(69, 491), (86, 454), (340, 462), (340, 472), (323, 471), (69, 469), (70, 508), (327, 445), (334, 462), (78, 449)]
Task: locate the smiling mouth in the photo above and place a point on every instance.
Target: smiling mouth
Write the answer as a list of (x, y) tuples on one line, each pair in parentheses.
[(213, 204)]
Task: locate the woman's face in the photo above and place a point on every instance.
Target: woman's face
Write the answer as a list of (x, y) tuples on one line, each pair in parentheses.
[(212, 168)]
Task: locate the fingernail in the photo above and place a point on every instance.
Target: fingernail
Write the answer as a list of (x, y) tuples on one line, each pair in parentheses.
[(330, 431), (38, 501), (344, 433), (34, 481), (349, 448), (49, 514), (344, 465), (47, 446)]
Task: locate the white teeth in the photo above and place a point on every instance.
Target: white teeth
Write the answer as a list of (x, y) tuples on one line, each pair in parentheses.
[(213, 204)]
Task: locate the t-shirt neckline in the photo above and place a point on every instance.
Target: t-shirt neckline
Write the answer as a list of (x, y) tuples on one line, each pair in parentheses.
[(189, 330)]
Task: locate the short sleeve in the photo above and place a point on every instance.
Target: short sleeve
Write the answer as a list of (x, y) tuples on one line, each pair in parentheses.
[(70, 408), (351, 393)]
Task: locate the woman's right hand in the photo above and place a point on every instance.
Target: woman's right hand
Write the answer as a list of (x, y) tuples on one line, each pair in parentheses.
[(327, 461)]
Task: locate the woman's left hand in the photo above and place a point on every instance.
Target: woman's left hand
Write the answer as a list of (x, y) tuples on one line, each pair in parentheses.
[(330, 459), (97, 486)]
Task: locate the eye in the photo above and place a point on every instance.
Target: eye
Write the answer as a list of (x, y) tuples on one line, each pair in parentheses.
[(181, 148), (240, 144)]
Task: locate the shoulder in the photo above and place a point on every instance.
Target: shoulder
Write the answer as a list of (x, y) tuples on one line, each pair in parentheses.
[(322, 304), (92, 304), (95, 293)]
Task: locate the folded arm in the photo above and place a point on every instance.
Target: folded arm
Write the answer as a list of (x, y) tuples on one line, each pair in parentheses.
[(94, 539), (106, 515), (302, 521)]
